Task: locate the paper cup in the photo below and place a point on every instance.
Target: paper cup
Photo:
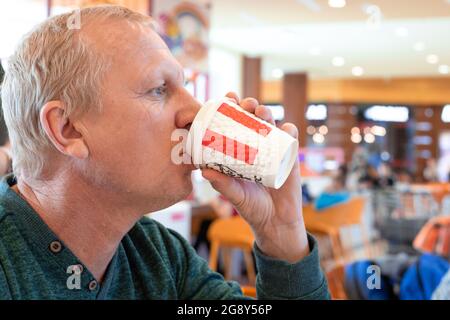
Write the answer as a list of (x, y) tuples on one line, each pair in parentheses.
[(226, 138)]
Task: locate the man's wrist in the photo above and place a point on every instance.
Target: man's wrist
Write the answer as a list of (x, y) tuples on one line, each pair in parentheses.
[(287, 242), (279, 279)]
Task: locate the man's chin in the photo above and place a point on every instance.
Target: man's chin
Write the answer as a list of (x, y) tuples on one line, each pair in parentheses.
[(184, 188), (172, 197)]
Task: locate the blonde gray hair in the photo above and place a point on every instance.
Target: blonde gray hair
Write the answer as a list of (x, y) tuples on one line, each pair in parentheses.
[(54, 62)]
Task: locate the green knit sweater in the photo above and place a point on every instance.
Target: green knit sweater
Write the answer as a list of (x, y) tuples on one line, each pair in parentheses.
[(151, 262)]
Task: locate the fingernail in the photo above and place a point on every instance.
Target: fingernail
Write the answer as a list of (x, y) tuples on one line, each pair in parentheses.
[(293, 131), (252, 100)]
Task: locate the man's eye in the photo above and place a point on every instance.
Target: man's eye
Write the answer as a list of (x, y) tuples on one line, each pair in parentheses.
[(159, 91)]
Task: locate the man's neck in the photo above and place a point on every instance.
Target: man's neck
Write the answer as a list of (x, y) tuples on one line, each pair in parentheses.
[(87, 220)]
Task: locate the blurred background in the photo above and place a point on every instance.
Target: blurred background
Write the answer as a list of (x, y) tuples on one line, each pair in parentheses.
[(366, 82)]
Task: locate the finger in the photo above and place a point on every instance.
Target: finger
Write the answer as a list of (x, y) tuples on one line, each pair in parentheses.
[(249, 104), (264, 113), (233, 96), (227, 186), (291, 129)]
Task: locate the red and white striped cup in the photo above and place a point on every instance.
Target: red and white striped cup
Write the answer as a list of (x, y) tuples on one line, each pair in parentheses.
[(226, 138)]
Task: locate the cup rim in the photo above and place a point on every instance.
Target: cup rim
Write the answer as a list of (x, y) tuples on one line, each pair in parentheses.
[(287, 163)]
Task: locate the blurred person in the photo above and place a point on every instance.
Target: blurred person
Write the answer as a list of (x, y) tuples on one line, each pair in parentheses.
[(403, 179), (430, 172), (306, 194), (339, 178), (71, 216), (336, 192), (443, 168), (357, 168), (386, 175), (370, 179), (378, 178)]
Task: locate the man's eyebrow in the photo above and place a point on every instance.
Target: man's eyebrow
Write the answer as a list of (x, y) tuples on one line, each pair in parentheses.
[(156, 71)]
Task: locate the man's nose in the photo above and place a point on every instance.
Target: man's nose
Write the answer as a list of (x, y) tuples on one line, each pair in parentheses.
[(186, 114)]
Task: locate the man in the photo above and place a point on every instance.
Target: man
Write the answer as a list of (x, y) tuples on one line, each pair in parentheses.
[(90, 113), (5, 155)]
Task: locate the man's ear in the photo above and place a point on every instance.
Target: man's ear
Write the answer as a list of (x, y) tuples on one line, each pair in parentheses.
[(62, 132)]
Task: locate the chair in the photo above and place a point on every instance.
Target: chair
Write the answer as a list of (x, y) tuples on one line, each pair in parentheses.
[(436, 189), (231, 233), (249, 291), (330, 221), (336, 279)]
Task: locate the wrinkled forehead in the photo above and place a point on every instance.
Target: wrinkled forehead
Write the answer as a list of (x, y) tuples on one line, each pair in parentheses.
[(121, 38), (133, 48)]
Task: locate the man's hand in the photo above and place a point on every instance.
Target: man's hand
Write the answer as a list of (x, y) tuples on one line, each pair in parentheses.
[(274, 215)]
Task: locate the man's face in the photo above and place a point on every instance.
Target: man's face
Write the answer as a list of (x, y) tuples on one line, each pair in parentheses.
[(144, 101)]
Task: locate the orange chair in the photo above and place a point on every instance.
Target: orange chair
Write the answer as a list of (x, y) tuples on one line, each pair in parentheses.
[(330, 221), (229, 233), (249, 291), (336, 277), (437, 189)]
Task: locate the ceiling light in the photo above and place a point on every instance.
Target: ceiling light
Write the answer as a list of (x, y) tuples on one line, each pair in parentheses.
[(277, 73), (375, 16), (338, 61), (355, 130), (357, 71), (444, 69), (401, 32), (337, 3), (432, 59), (419, 46)]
